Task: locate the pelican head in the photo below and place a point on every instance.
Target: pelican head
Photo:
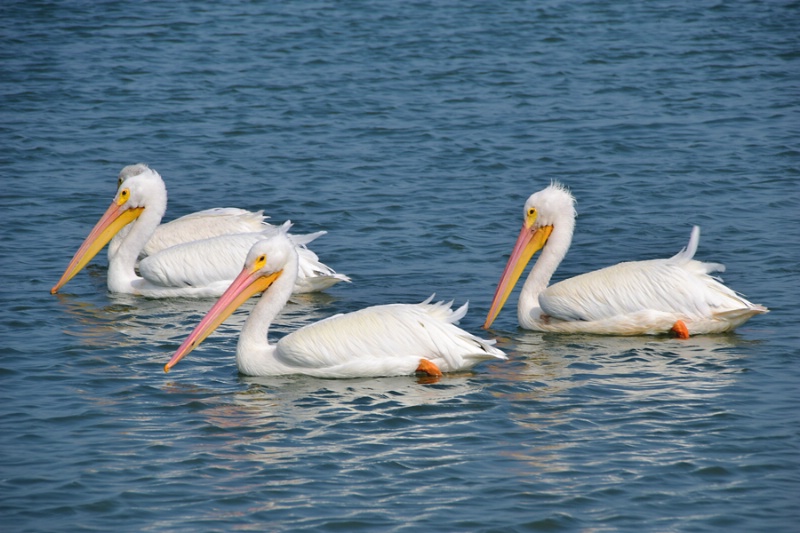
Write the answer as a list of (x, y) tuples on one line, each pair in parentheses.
[(140, 189), (265, 263), (551, 209)]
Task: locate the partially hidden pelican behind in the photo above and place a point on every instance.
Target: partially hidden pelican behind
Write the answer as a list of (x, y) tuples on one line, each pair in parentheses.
[(657, 296), (383, 340), (196, 226), (194, 268)]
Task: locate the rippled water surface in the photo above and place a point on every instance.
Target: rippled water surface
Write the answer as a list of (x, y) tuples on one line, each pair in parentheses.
[(412, 132)]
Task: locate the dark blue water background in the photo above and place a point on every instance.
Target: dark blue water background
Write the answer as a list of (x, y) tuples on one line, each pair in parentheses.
[(412, 132)]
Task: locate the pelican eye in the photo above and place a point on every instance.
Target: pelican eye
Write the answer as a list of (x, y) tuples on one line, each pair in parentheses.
[(124, 194), (119, 182), (531, 211), (261, 260)]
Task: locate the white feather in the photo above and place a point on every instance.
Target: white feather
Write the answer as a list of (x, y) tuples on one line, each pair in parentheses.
[(205, 225)]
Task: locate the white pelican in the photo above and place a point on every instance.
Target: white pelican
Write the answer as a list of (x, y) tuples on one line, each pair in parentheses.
[(197, 268), (674, 295), (384, 340)]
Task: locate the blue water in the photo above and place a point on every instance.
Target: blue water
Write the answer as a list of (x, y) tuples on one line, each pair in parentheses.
[(412, 132)]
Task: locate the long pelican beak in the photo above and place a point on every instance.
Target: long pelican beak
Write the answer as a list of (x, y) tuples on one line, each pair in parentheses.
[(116, 217), (246, 284), (531, 239)]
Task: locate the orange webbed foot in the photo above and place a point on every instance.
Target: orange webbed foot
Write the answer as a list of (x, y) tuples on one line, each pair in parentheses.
[(427, 367), (680, 330)]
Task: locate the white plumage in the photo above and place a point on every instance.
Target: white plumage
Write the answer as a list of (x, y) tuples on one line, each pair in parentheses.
[(631, 298), (384, 340), (175, 263), (196, 226)]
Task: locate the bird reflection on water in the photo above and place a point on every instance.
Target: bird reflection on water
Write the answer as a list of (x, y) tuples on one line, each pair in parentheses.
[(559, 385), (565, 361), (127, 320)]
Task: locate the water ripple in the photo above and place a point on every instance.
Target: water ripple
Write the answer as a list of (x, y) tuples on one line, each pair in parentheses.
[(413, 133)]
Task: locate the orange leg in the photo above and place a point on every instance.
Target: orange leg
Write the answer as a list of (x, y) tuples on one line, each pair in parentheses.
[(680, 330), (426, 367)]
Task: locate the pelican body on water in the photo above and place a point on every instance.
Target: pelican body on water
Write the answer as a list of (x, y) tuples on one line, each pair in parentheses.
[(197, 255), (382, 340), (658, 296)]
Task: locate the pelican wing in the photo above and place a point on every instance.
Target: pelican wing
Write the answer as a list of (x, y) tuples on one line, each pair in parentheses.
[(366, 341), (204, 225), (195, 227), (314, 275), (678, 285)]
